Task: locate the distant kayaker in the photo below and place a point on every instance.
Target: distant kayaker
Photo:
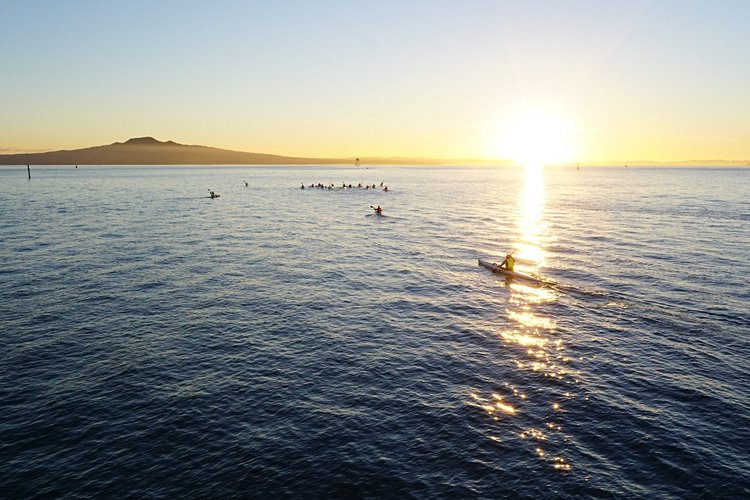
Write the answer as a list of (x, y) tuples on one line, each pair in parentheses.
[(302, 186), (508, 263), (379, 210)]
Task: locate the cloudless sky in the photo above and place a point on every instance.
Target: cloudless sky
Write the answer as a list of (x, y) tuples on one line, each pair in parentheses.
[(656, 79)]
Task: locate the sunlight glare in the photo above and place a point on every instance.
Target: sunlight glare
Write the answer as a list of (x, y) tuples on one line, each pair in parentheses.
[(535, 139)]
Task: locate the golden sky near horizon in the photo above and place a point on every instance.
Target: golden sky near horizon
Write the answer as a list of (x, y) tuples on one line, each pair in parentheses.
[(530, 81)]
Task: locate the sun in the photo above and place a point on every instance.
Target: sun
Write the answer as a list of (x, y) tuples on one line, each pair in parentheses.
[(535, 139)]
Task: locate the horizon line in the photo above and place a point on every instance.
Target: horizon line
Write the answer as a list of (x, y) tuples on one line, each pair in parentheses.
[(15, 151)]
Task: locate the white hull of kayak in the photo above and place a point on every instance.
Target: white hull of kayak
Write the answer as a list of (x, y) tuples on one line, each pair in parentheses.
[(511, 274)]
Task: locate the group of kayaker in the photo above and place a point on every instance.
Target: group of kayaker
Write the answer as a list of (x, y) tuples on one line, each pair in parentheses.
[(378, 210), (344, 185), (319, 185)]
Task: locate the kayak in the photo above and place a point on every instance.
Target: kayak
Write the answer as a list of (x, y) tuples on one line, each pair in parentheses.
[(495, 268)]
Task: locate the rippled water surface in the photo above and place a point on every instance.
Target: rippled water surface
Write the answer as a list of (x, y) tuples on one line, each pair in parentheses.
[(280, 342)]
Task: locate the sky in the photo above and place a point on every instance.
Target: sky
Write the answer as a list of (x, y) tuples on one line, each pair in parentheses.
[(589, 81)]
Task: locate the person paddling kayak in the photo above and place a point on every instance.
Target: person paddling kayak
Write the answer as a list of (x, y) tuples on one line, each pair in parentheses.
[(508, 263), (378, 210)]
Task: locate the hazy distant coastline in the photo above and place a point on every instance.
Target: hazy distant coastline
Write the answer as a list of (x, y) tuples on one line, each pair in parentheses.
[(149, 151)]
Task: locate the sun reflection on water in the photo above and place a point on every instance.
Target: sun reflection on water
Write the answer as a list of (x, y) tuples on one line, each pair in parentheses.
[(530, 224), (530, 333)]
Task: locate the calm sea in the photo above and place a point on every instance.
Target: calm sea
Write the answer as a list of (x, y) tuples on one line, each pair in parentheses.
[(278, 342)]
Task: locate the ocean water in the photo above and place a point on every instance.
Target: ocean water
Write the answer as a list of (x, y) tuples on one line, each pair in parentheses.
[(285, 343)]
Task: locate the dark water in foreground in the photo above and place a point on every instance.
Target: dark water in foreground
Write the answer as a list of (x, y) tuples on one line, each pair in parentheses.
[(277, 342)]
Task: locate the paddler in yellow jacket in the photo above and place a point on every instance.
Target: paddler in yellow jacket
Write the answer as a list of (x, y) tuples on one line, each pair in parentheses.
[(508, 263)]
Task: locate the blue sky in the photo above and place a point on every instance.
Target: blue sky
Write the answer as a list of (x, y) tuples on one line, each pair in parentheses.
[(634, 79)]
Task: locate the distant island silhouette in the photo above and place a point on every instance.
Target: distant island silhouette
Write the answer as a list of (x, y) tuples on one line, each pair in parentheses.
[(149, 151)]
